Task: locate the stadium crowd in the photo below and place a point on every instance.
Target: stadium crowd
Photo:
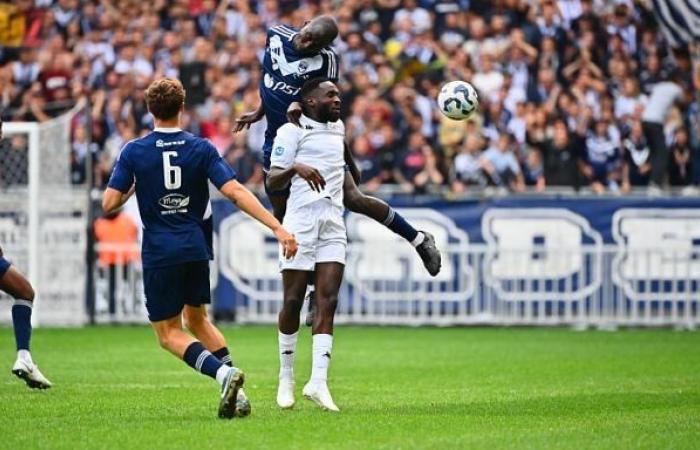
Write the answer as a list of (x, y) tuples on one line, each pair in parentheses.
[(573, 92)]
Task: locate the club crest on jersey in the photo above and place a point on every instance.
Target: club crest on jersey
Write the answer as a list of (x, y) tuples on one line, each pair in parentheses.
[(303, 66), (279, 150), (286, 68)]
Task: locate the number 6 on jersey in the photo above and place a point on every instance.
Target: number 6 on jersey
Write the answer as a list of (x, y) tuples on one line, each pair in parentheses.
[(172, 175)]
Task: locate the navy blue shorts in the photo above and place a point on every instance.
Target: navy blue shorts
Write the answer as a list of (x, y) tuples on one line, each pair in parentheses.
[(168, 289), (4, 266)]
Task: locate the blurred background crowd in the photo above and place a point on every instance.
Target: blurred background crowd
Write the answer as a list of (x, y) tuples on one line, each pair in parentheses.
[(574, 93)]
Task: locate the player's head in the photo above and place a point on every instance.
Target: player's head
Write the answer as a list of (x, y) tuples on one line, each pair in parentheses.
[(315, 35), (165, 98), (320, 100)]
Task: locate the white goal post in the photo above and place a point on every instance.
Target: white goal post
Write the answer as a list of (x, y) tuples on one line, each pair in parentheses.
[(43, 218)]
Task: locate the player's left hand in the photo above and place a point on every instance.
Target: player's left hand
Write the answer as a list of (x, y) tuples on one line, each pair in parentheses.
[(294, 113), (247, 119), (289, 244)]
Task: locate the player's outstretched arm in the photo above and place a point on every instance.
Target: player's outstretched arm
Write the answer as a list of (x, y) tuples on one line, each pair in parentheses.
[(249, 204), (113, 199)]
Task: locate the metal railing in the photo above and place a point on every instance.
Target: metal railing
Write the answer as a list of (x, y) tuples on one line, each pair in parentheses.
[(601, 286)]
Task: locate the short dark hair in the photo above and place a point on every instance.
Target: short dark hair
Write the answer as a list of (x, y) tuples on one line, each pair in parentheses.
[(310, 86), (164, 98)]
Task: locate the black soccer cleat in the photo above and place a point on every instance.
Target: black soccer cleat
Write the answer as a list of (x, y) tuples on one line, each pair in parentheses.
[(309, 321), (429, 253), (229, 394)]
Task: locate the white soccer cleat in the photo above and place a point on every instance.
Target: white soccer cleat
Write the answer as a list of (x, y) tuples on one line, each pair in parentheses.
[(29, 372), (319, 394), (285, 394)]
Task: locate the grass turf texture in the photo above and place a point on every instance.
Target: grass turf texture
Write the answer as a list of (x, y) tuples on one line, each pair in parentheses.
[(396, 387)]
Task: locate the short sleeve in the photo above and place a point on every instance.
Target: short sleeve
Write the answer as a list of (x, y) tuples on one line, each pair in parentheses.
[(123, 173), (218, 170), (332, 64), (284, 149)]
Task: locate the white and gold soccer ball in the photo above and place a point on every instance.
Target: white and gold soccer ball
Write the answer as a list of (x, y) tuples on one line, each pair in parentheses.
[(458, 100)]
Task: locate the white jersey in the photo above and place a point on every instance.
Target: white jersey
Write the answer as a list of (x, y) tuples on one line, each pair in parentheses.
[(318, 145)]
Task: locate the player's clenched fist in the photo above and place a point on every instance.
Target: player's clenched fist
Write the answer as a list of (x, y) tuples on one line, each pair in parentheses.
[(289, 244), (311, 175)]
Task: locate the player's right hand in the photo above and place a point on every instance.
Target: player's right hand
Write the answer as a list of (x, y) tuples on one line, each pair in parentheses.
[(312, 176), (289, 244), (247, 119), (294, 113)]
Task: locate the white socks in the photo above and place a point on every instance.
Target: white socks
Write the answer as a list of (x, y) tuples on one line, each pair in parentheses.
[(287, 346), (420, 237), (221, 374), (321, 356), (25, 356)]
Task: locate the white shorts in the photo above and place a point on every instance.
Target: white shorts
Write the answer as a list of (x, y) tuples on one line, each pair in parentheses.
[(319, 229)]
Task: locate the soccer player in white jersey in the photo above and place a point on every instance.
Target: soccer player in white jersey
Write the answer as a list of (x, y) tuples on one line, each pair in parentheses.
[(310, 158)]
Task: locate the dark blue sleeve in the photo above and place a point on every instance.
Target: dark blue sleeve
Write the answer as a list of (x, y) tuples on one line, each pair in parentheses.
[(218, 170), (123, 173)]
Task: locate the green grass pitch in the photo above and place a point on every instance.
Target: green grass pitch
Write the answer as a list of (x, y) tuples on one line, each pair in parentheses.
[(396, 387)]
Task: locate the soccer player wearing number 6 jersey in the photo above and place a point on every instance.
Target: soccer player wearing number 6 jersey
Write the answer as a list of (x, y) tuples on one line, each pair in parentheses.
[(169, 170)]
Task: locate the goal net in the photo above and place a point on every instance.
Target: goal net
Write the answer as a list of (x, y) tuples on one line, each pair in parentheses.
[(43, 217)]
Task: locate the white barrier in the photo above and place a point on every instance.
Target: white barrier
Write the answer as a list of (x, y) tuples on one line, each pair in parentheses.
[(594, 285)]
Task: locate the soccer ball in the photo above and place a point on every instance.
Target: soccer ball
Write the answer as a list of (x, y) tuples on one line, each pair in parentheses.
[(458, 100)]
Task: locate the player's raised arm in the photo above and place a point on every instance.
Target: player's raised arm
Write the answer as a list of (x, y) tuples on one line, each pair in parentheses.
[(249, 204)]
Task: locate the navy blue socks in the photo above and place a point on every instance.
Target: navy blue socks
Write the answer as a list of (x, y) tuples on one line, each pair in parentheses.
[(201, 359), (22, 323)]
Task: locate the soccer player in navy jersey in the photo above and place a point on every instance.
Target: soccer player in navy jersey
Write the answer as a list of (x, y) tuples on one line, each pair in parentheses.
[(293, 57), (169, 170), (16, 285)]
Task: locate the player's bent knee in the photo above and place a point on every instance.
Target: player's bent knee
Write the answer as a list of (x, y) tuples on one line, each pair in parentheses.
[(27, 293)]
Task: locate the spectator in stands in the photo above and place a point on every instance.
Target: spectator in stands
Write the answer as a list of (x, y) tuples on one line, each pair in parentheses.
[(501, 165), (680, 168), (561, 157), (601, 165), (468, 165), (636, 169), (662, 98), (532, 62)]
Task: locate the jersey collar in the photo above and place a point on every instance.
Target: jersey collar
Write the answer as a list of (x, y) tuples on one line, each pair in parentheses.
[(312, 121), (167, 130)]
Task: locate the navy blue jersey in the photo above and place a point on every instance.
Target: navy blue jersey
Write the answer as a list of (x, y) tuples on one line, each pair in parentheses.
[(171, 171), (285, 72)]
